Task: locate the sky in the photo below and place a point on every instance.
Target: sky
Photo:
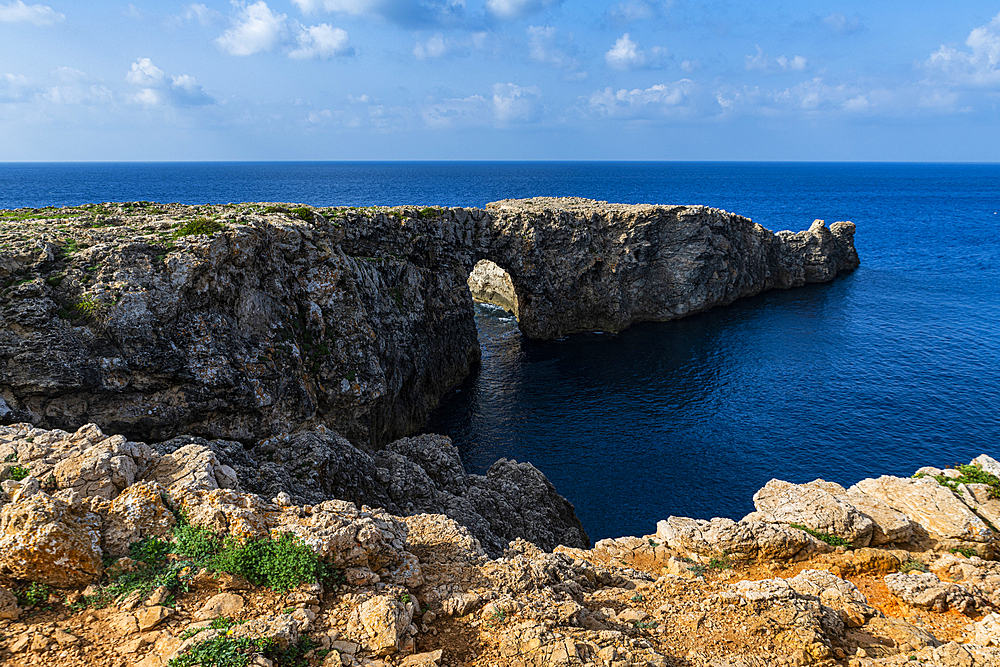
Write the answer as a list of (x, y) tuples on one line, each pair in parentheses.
[(500, 80)]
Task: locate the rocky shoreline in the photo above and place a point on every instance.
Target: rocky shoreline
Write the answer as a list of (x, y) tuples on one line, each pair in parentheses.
[(97, 567)]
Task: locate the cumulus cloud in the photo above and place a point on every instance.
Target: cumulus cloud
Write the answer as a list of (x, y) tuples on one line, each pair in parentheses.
[(18, 12), (979, 66), (544, 47), (201, 13), (156, 88), (764, 63), (322, 41), (842, 25), (409, 13), (664, 99), (512, 9), (516, 103), (14, 88), (255, 28), (439, 46), (626, 54)]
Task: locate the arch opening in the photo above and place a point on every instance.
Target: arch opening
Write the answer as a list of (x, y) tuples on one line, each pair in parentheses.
[(490, 283)]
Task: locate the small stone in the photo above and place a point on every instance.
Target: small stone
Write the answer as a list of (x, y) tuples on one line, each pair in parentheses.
[(20, 643), (223, 604), (422, 659), (8, 605), (151, 616), (64, 638)]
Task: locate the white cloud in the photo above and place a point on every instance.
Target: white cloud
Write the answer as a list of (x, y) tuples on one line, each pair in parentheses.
[(14, 88), (691, 65), (815, 95), (201, 13), (18, 12), (516, 103), (761, 61), (322, 41), (842, 25), (439, 46), (626, 54), (512, 9), (255, 29), (411, 13), (156, 88), (664, 99), (543, 48), (469, 111), (980, 66)]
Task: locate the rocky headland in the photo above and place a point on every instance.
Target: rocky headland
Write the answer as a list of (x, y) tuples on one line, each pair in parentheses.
[(206, 453)]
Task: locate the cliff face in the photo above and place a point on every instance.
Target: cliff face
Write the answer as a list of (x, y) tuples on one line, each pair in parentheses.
[(246, 321), (580, 265)]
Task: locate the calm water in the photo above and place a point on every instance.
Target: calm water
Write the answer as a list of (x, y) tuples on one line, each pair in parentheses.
[(893, 367)]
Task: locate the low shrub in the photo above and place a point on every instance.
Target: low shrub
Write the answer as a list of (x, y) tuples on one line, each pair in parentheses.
[(832, 540), (198, 226)]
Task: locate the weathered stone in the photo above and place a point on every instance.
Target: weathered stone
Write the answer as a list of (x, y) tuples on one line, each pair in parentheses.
[(814, 507), (927, 591), (137, 513), (380, 624), (933, 507), (42, 540), (223, 604), (149, 617), (8, 605), (744, 539)]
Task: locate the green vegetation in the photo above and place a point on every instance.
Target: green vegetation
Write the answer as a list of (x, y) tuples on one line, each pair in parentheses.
[(304, 213), (429, 212), (55, 280), (832, 540), (10, 457), (280, 564), (720, 564), (965, 551), (645, 625), (222, 652), (198, 226), (17, 473), (912, 565), (34, 594), (969, 474), (47, 213)]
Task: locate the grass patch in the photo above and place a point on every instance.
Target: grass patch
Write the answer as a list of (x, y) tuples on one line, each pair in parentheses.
[(430, 212), (969, 474), (832, 540), (965, 551), (198, 227), (34, 594)]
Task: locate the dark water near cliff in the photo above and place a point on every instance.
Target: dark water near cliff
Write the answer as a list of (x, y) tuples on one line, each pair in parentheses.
[(892, 367)]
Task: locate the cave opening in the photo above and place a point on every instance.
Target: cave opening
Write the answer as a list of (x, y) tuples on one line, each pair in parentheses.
[(490, 283)]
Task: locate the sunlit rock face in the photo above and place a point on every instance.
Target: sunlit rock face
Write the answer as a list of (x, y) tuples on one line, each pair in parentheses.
[(263, 320)]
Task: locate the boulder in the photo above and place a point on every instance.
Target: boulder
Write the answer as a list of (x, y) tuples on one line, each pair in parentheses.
[(743, 539), (380, 624), (137, 513), (932, 507), (812, 506), (42, 540), (927, 591), (223, 604)]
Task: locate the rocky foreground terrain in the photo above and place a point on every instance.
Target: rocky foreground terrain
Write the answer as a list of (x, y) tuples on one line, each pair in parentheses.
[(116, 553)]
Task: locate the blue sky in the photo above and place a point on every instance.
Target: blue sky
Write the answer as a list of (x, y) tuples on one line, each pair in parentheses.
[(499, 79)]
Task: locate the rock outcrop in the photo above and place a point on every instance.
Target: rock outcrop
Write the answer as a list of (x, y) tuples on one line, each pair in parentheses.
[(245, 322), (420, 590), (124, 483)]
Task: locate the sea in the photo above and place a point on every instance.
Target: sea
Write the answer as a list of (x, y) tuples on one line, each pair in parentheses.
[(886, 369)]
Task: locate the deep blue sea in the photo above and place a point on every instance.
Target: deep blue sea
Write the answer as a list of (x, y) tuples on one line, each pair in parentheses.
[(887, 369)]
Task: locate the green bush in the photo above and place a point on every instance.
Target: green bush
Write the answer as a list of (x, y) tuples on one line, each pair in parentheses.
[(34, 594), (17, 473), (304, 213), (912, 565), (278, 564), (198, 226), (222, 652)]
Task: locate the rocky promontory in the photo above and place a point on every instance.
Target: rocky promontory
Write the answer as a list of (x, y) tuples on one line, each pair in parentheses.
[(250, 321)]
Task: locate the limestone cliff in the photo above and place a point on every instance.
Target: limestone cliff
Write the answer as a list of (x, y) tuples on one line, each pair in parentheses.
[(249, 321)]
